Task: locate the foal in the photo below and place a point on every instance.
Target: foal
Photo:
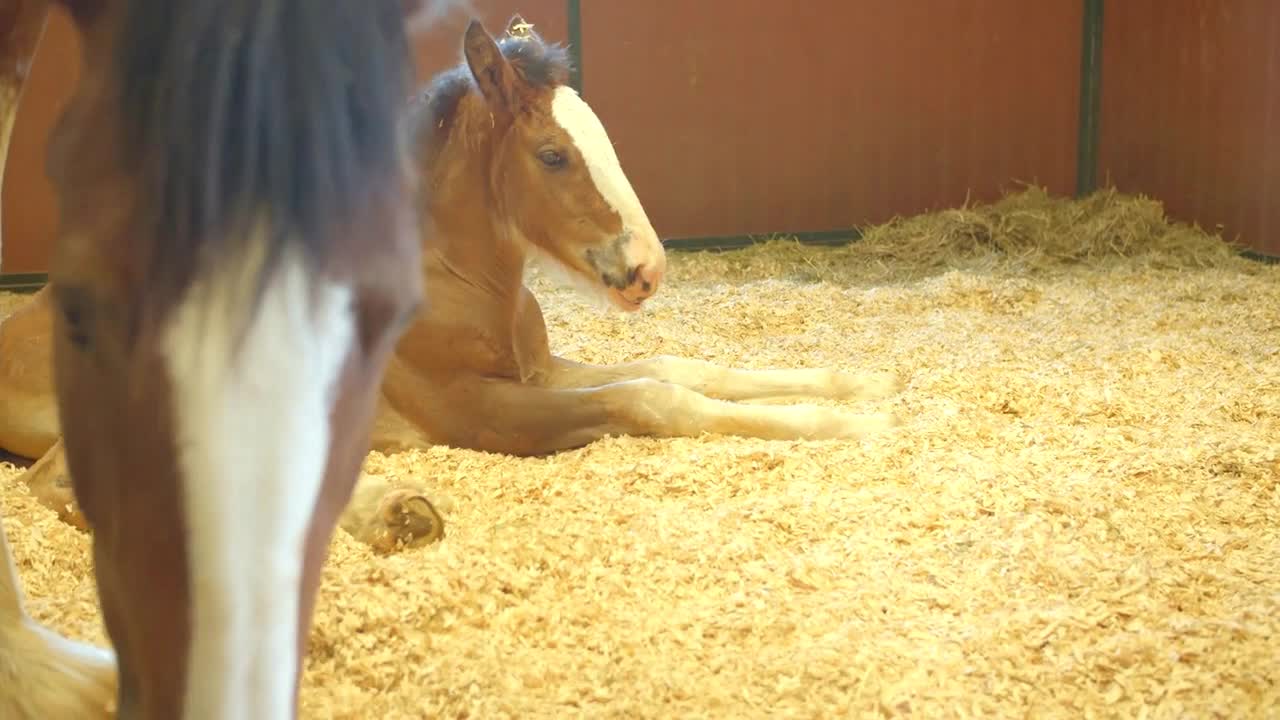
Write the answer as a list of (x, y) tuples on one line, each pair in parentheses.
[(518, 166), (235, 261)]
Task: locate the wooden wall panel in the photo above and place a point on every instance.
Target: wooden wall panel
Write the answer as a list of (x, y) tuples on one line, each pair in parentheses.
[(30, 210), (759, 115), (1191, 111)]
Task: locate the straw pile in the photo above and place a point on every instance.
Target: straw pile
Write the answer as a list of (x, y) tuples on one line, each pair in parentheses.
[(1077, 517), (10, 302), (1027, 232)]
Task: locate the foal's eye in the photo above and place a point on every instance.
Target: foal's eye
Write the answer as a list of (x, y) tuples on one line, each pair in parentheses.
[(552, 158)]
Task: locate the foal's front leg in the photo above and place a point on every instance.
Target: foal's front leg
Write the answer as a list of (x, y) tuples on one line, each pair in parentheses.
[(728, 383), (511, 417)]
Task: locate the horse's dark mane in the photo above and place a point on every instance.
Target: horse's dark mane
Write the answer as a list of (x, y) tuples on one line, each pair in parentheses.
[(238, 111), (539, 63)]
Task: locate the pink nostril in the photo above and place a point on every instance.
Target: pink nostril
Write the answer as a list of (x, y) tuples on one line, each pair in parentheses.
[(647, 278)]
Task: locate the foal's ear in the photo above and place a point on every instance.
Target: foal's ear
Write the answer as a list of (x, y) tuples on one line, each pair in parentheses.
[(491, 70)]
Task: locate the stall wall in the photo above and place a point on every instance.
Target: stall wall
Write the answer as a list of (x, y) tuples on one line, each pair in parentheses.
[(759, 117), (29, 212), (1191, 111)]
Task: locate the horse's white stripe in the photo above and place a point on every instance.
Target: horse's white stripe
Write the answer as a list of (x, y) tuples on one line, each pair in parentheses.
[(252, 435), (583, 126)]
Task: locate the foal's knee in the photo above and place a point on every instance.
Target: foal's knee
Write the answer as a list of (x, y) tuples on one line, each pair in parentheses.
[(652, 407)]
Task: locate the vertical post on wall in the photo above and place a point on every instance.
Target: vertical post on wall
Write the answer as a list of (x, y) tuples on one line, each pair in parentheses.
[(1090, 98), (574, 15)]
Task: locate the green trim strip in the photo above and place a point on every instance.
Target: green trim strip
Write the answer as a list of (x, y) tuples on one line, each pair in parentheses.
[(31, 282), (1090, 98), (574, 15), (22, 282), (830, 238), (1260, 257)]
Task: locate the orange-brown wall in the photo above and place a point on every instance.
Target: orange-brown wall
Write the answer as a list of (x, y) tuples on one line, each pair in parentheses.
[(29, 212), (1191, 111), (759, 115)]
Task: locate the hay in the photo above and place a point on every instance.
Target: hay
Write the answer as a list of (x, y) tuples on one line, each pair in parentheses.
[(1029, 232), (10, 302), (1077, 517)]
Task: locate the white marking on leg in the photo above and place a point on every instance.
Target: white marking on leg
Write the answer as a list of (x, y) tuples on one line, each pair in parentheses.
[(252, 433), (582, 124), (667, 409)]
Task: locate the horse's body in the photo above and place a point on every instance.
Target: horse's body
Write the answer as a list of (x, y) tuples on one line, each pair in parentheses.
[(235, 261)]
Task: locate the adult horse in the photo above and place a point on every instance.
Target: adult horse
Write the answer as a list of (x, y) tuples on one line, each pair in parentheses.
[(235, 261), (515, 165)]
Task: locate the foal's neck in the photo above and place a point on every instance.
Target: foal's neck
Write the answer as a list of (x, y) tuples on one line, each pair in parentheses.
[(468, 235)]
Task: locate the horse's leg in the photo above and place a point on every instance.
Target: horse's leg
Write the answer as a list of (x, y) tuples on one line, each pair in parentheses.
[(726, 383), (42, 674), (523, 419), (28, 404), (21, 24)]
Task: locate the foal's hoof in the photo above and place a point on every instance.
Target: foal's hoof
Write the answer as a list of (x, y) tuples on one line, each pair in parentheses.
[(865, 386), (405, 519)]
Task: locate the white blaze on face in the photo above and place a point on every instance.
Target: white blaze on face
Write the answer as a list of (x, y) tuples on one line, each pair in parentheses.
[(582, 125), (252, 438)]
